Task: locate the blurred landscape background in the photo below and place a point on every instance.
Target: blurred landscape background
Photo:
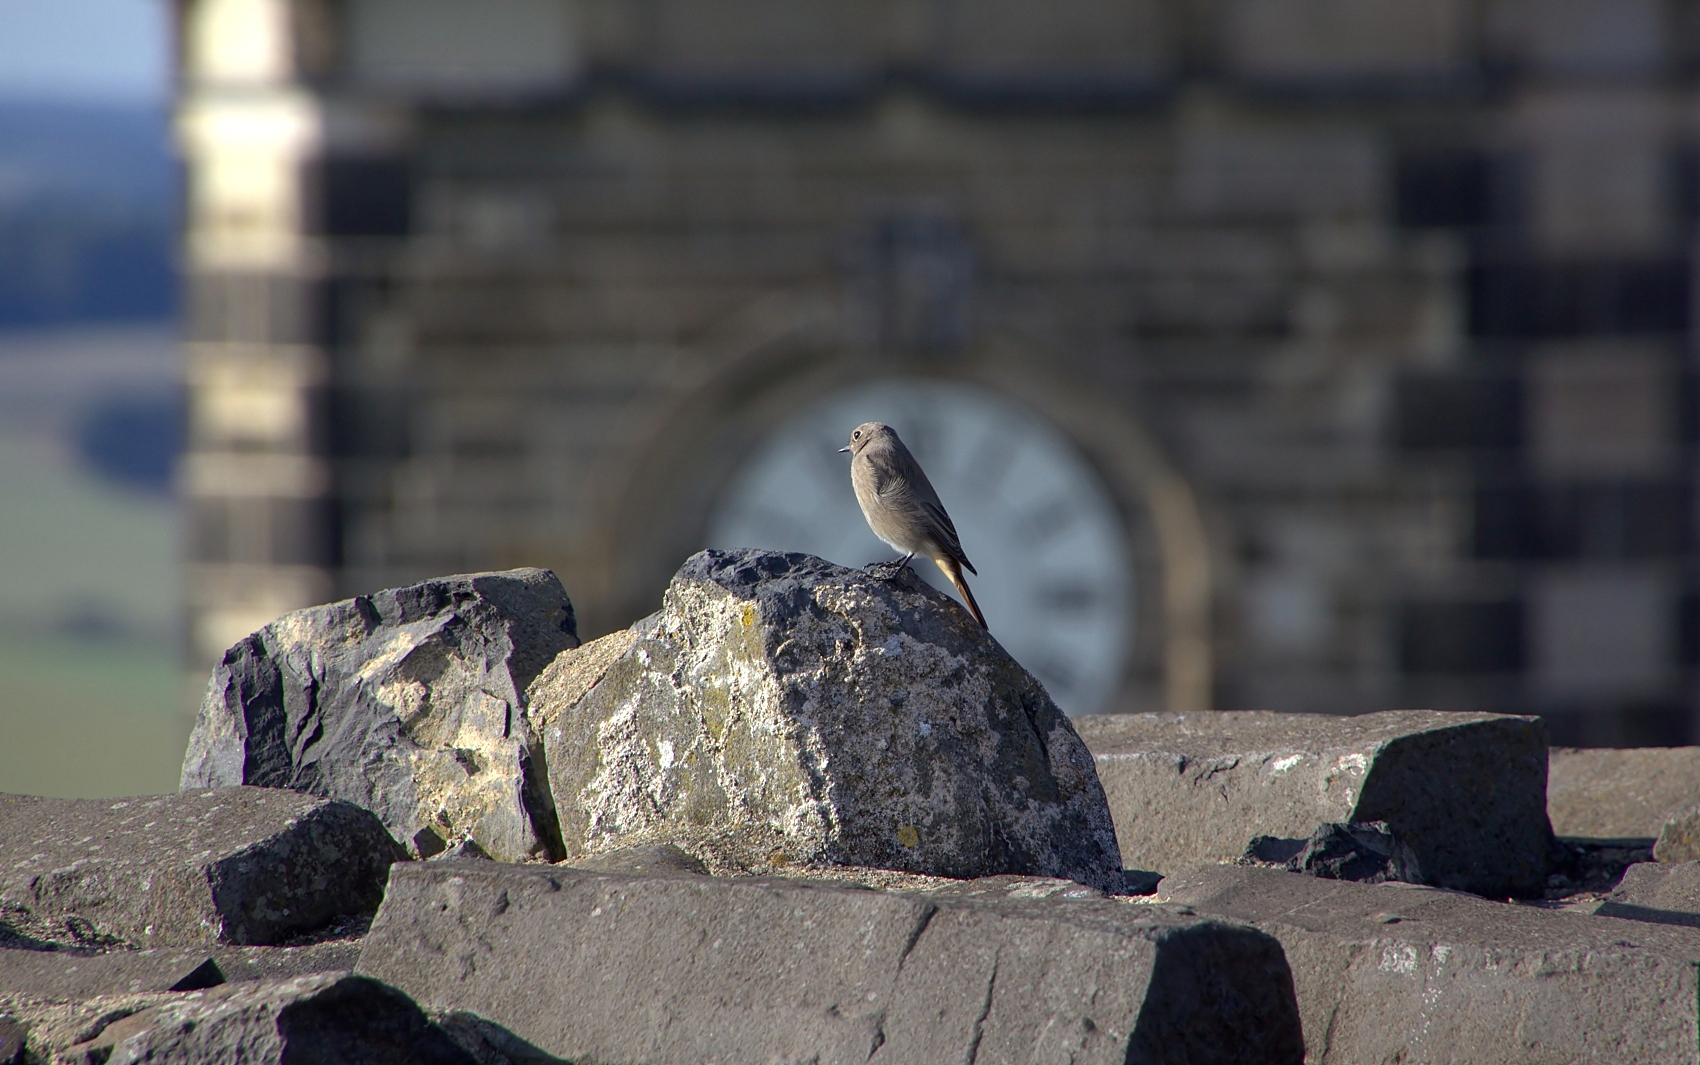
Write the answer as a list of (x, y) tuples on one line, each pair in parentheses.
[(1304, 355), (93, 697)]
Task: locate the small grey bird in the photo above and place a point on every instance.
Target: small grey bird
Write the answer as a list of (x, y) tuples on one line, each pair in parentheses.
[(901, 507)]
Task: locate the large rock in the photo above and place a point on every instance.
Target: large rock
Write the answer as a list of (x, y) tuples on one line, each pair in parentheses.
[(1393, 972), (410, 702), (682, 968), (231, 865), (1466, 792), (1620, 794), (325, 1019), (780, 709)]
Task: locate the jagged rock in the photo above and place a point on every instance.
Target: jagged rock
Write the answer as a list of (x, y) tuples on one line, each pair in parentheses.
[(1628, 793), (325, 1018), (409, 702), (609, 967), (1466, 792), (1368, 853), (232, 865), (780, 709), (1400, 973)]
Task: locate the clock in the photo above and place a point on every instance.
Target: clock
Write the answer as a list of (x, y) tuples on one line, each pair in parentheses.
[(1055, 578)]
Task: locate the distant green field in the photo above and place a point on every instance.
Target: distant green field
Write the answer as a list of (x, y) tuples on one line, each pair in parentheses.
[(93, 697), (84, 721)]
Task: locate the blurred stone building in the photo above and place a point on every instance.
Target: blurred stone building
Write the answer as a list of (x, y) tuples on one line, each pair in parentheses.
[(1366, 321)]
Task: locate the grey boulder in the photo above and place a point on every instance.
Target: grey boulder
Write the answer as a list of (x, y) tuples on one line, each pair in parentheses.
[(324, 1018), (689, 969), (228, 865), (1400, 973), (783, 710), (409, 702), (1465, 792)]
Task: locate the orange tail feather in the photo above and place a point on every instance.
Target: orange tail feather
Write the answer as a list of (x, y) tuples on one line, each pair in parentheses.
[(954, 571)]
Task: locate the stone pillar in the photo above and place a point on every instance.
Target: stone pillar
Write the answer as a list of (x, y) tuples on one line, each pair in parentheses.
[(264, 142)]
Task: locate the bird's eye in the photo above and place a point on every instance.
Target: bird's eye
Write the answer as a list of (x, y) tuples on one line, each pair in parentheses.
[(857, 435)]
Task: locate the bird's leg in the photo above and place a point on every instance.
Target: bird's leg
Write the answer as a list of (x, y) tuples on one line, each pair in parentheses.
[(889, 570)]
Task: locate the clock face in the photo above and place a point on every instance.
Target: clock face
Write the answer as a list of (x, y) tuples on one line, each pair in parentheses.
[(1055, 582)]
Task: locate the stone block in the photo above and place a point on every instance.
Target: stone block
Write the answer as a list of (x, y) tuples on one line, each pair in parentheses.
[(409, 702), (1395, 972), (228, 865), (66, 976), (692, 968), (783, 710), (329, 1018), (1626, 793), (1465, 792)]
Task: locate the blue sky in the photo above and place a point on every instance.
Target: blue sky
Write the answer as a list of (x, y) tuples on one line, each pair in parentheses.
[(85, 50)]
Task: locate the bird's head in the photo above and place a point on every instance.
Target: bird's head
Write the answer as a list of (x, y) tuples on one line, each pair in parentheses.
[(865, 434)]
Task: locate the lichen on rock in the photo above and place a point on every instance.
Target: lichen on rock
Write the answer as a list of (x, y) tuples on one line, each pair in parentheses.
[(782, 710)]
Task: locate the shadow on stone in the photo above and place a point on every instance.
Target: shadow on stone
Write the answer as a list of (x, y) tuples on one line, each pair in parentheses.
[(1366, 852), (489, 1043), (1581, 865)]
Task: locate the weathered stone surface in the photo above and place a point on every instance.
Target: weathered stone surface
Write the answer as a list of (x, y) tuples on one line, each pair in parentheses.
[(652, 860), (50, 1026), (706, 969), (275, 963), (409, 702), (488, 1042), (780, 709), (11, 1041), (1658, 893), (325, 1018), (1395, 972), (67, 976), (1679, 836), (1627, 793), (233, 865), (1466, 792)]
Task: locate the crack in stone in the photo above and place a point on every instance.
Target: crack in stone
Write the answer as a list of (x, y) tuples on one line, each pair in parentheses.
[(927, 916), (985, 1011)]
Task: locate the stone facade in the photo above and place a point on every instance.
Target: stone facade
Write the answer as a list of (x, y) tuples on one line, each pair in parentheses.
[(1391, 297)]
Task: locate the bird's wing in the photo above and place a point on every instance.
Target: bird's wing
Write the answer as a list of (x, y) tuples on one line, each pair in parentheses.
[(944, 531), (904, 477)]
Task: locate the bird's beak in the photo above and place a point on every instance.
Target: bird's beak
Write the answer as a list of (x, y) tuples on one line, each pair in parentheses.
[(842, 450)]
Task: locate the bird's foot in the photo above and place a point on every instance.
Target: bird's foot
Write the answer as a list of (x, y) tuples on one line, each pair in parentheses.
[(888, 570)]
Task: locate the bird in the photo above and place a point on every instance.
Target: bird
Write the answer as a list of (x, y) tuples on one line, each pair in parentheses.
[(903, 510)]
